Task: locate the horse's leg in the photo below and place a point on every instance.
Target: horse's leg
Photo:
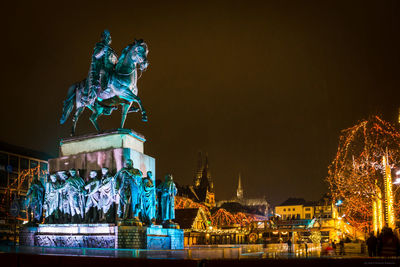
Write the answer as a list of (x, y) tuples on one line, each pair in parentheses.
[(78, 112), (131, 97), (133, 109), (125, 108), (97, 111), (137, 100), (144, 114)]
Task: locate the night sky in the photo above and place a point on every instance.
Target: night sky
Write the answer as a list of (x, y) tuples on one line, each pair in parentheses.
[(263, 86)]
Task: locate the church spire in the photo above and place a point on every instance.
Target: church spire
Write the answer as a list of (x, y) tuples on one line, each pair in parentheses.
[(239, 191)]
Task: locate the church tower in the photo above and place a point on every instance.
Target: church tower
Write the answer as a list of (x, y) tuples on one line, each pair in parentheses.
[(239, 191), (199, 171), (203, 184)]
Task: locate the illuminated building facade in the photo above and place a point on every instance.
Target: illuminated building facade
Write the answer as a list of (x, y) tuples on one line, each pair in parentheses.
[(295, 209), (295, 218)]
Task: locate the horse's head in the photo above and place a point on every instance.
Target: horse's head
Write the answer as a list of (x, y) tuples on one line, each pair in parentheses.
[(139, 53)]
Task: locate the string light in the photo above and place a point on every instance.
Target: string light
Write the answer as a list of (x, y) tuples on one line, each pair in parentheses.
[(358, 163), (23, 176)]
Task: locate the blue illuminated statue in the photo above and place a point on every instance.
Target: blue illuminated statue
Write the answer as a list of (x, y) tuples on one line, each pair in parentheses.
[(107, 196), (63, 204), (102, 66), (93, 198), (110, 83), (167, 192), (35, 198), (128, 187), (76, 195), (52, 200), (148, 200)]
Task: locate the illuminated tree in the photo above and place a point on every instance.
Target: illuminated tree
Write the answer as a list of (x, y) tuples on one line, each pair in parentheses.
[(356, 172), (315, 237)]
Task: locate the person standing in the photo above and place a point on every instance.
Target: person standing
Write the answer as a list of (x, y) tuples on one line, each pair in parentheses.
[(388, 243), (289, 245), (372, 243), (341, 247), (306, 247)]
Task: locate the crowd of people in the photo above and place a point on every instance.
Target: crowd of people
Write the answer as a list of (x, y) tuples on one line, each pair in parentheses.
[(385, 245)]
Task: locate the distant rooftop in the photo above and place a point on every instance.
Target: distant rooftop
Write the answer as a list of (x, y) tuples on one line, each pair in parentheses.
[(310, 203), (293, 201), (24, 151), (185, 217)]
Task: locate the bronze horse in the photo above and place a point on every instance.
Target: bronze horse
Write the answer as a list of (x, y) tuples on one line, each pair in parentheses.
[(121, 89)]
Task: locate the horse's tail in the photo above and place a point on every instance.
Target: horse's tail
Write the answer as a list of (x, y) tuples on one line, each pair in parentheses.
[(68, 103)]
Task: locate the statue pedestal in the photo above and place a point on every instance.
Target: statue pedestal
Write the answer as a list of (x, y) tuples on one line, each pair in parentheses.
[(108, 149), (117, 138), (129, 222), (101, 236)]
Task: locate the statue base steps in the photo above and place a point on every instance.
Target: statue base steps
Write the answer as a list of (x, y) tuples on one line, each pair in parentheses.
[(101, 236)]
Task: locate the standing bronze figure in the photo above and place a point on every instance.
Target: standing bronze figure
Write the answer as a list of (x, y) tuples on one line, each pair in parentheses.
[(127, 186), (35, 198), (167, 191)]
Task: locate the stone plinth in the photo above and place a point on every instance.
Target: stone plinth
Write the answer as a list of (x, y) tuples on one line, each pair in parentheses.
[(101, 236), (109, 149), (119, 138), (154, 237)]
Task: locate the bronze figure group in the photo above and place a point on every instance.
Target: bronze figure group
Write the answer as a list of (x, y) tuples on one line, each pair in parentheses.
[(124, 197)]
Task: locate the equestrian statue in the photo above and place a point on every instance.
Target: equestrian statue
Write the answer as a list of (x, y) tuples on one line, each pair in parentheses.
[(111, 82)]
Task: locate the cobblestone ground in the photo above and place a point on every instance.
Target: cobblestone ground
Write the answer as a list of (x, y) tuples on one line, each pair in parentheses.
[(201, 252)]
